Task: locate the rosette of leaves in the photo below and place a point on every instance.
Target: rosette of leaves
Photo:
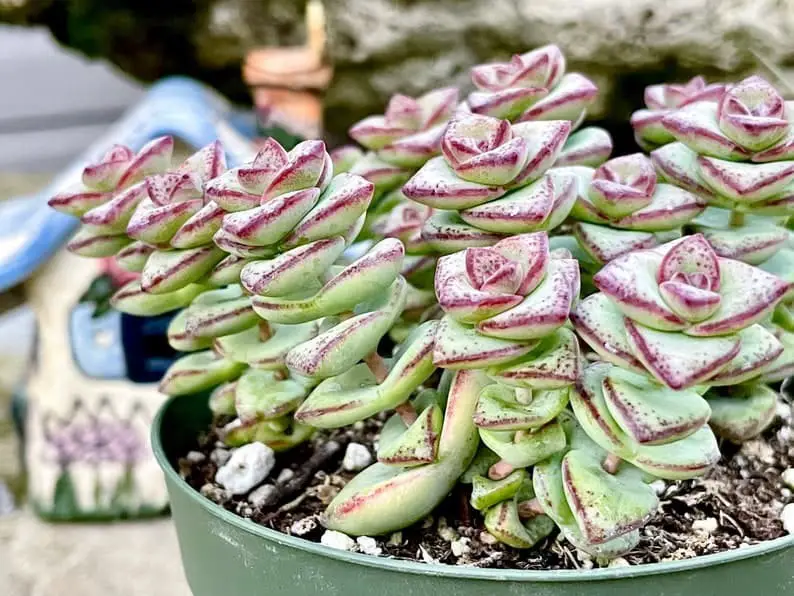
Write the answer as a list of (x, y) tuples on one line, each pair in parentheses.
[(622, 207), (108, 194), (738, 155), (403, 138), (684, 322), (492, 181), (534, 86), (505, 313), (661, 100)]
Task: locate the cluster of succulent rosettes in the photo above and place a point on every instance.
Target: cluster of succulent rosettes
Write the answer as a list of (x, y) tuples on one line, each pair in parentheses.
[(535, 86), (505, 313), (493, 180), (737, 154), (691, 321), (402, 139), (108, 195), (622, 207), (661, 100)]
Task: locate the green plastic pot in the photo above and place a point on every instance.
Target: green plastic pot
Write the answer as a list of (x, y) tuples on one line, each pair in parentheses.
[(226, 555)]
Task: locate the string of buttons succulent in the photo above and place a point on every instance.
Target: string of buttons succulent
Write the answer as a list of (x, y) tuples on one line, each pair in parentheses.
[(552, 327)]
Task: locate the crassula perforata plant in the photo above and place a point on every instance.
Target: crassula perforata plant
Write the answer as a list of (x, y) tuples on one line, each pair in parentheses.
[(534, 86), (621, 206), (283, 312), (493, 180), (514, 363), (660, 100), (688, 319), (738, 155)]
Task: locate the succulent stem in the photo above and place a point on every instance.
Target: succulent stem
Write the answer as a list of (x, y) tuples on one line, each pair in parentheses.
[(611, 464), (407, 412), (500, 470), (530, 509), (737, 219), (377, 365), (265, 331)]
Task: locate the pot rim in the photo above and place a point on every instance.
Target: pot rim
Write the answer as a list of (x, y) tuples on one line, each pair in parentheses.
[(448, 571)]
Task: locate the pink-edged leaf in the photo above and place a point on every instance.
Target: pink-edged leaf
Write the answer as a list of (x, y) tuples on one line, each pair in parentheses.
[(284, 274), (745, 183), (114, 215), (605, 244), (545, 141), (690, 302), (308, 165), (543, 310), (677, 360), (226, 192), (526, 209), (587, 147), (256, 176), (678, 164), (437, 185), (461, 297), (630, 281), (692, 261), (598, 321), (748, 293), (200, 228), (696, 126), (153, 158), (271, 221), (78, 201), (623, 185), (670, 208), (567, 101), (344, 201), (753, 114)]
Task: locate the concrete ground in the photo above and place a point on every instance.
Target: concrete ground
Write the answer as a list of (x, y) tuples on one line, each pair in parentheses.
[(41, 559)]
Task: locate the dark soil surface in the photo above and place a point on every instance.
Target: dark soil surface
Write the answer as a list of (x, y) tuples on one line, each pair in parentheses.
[(737, 504)]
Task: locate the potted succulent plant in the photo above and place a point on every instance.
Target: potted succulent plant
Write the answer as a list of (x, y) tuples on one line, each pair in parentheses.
[(516, 423)]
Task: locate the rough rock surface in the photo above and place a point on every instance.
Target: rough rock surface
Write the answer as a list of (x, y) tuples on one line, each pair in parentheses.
[(384, 46)]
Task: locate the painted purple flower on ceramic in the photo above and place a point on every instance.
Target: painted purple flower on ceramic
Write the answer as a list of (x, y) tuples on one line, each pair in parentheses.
[(94, 439), (660, 100)]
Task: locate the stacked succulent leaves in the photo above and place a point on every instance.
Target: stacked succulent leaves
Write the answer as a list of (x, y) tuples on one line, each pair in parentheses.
[(283, 312), (622, 207), (534, 86)]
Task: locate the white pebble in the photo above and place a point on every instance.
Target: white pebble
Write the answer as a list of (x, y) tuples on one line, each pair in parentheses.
[(285, 476), (460, 547), (705, 526), (396, 539), (787, 517), (303, 526), (337, 540), (248, 466), (261, 496), (619, 562), (195, 457), (788, 478), (760, 450), (368, 546), (785, 434), (658, 486), (220, 456), (357, 457)]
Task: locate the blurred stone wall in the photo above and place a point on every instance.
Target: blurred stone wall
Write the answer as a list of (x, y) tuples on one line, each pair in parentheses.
[(384, 46)]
